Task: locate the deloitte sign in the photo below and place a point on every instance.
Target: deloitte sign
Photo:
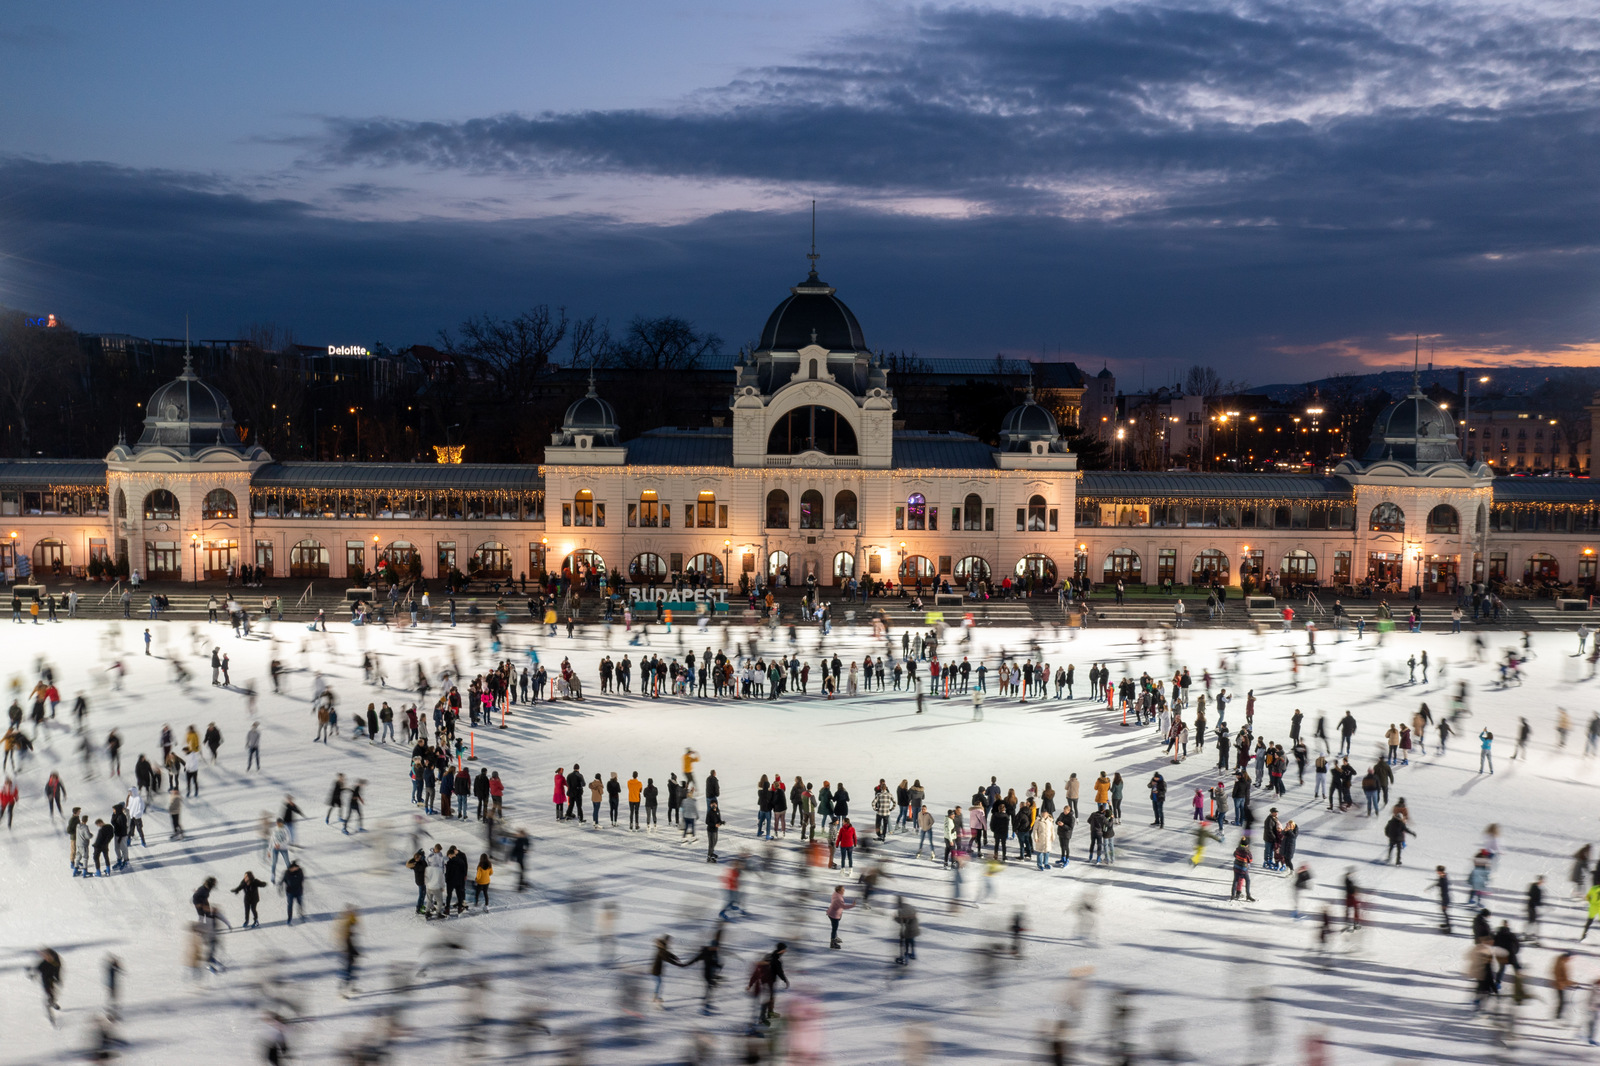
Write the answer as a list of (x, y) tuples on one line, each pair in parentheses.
[(347, 349)]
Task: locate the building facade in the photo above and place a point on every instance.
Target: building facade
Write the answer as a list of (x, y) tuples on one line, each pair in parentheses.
[(807, 478)]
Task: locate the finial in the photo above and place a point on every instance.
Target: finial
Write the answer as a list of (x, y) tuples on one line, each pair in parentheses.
[(1030, 384), (188, 360), (813, 336), (813, 256), (1416, 365), (591, 382)]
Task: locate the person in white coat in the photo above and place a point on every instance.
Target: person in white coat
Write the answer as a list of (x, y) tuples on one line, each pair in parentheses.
[(433, 881), (1043, 836)]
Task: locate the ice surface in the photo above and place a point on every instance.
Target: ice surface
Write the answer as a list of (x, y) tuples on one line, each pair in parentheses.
[(1208, 980)]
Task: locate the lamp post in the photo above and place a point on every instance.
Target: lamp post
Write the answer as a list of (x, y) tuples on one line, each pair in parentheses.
[(1466, 412), (194, 558), (902, 574), (727, 562), (544, 557)]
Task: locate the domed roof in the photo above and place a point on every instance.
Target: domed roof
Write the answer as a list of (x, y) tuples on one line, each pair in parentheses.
[(1414, 430), (592, 416), (1026, 424), (812, 315), (188, 416)]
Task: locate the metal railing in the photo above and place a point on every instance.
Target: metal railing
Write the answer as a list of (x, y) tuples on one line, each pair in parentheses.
[(1312, 603), (110, 592), (306, 595)]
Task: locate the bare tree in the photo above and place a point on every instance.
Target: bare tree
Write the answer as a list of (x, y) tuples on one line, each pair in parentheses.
[(33, 362), (664, 343), (510, 353), (266, 385), (590, 342)]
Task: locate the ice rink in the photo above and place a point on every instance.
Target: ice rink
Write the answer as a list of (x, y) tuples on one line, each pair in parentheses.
[(563, 965)]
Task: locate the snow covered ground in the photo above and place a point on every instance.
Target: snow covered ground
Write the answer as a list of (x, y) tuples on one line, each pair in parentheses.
[(1209, 980)]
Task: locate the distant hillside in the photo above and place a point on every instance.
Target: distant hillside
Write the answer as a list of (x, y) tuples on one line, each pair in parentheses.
[(1508, 381)]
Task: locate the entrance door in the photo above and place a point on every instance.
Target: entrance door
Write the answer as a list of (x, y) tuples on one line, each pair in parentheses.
[(220, 554), (1443, 572), (1385, 568), (161, 559)]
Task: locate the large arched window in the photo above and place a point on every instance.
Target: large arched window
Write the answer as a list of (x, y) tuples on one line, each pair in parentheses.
[(1444, 519), (122, 504), (1387, 518), (1036, 514), (844, 567), (916, 511), (804, 429), (403, 556), (777, 563), (973, 566), (1210, 564), (1299, 567), (777, 509), (844, 510), (647, 567), (161, 504), (1482, 517), (915, 567), (1040, 567), (308, 559), (1123, 563), (972, 513), (1542, 568), (707, 565), (494, 559), (811, 509), (220, 504), (582, 562)]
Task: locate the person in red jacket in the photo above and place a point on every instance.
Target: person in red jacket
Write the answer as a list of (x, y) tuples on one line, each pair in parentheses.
[(497, 792), (847, 845), (8, 801)]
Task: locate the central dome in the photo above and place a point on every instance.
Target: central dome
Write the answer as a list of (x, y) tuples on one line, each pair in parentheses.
[(812, 315), (1414, 430)]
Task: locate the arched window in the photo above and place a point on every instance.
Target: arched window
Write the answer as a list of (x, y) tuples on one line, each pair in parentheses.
[(916, 566), (308, 559), (972, 513), (122, 504), (1542, 568), (916, 511), (1483, 513), (1210, 564), (583, 508), (777, 509), (161, 504), (582, 562), (1123, 563), (402, 556), (1444, 519), (844, 567), (705, 564), (1387, 518), (811, 509), (973, 566), (705, 510), (844, 510), (647, 568), (1036, 514), (777, 563), (493, 559), (649, 509), (220, 504), (1299, 568), (805, 429), (50, 556), (1039, 567)]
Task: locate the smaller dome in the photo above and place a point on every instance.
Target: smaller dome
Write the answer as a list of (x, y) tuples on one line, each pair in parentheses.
[(589, 416), (1105, 372), (1416, 431), (189, 417), (1027, 424)]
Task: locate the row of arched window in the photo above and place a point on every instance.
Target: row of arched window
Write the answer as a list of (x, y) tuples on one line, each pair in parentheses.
[(163, 505), (1389, 518)]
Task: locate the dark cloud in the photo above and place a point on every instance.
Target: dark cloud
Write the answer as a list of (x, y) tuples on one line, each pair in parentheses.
[(135, 251)]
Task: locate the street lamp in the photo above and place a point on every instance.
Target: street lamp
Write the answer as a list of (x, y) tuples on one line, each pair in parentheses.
[(1466, 410), (194, 558), (727, 562), (903, 554)]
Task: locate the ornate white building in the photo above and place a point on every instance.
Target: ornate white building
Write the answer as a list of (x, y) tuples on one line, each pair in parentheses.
[(808, 477)]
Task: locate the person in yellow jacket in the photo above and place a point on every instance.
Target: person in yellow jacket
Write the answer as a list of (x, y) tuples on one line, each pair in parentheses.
[(690, 757), (480, 880), (1594, 909), (344, 932), (635, 795), (1102, 790)]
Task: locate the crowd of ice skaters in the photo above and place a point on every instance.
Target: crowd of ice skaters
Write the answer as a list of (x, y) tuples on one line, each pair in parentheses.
[(995, 828)]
